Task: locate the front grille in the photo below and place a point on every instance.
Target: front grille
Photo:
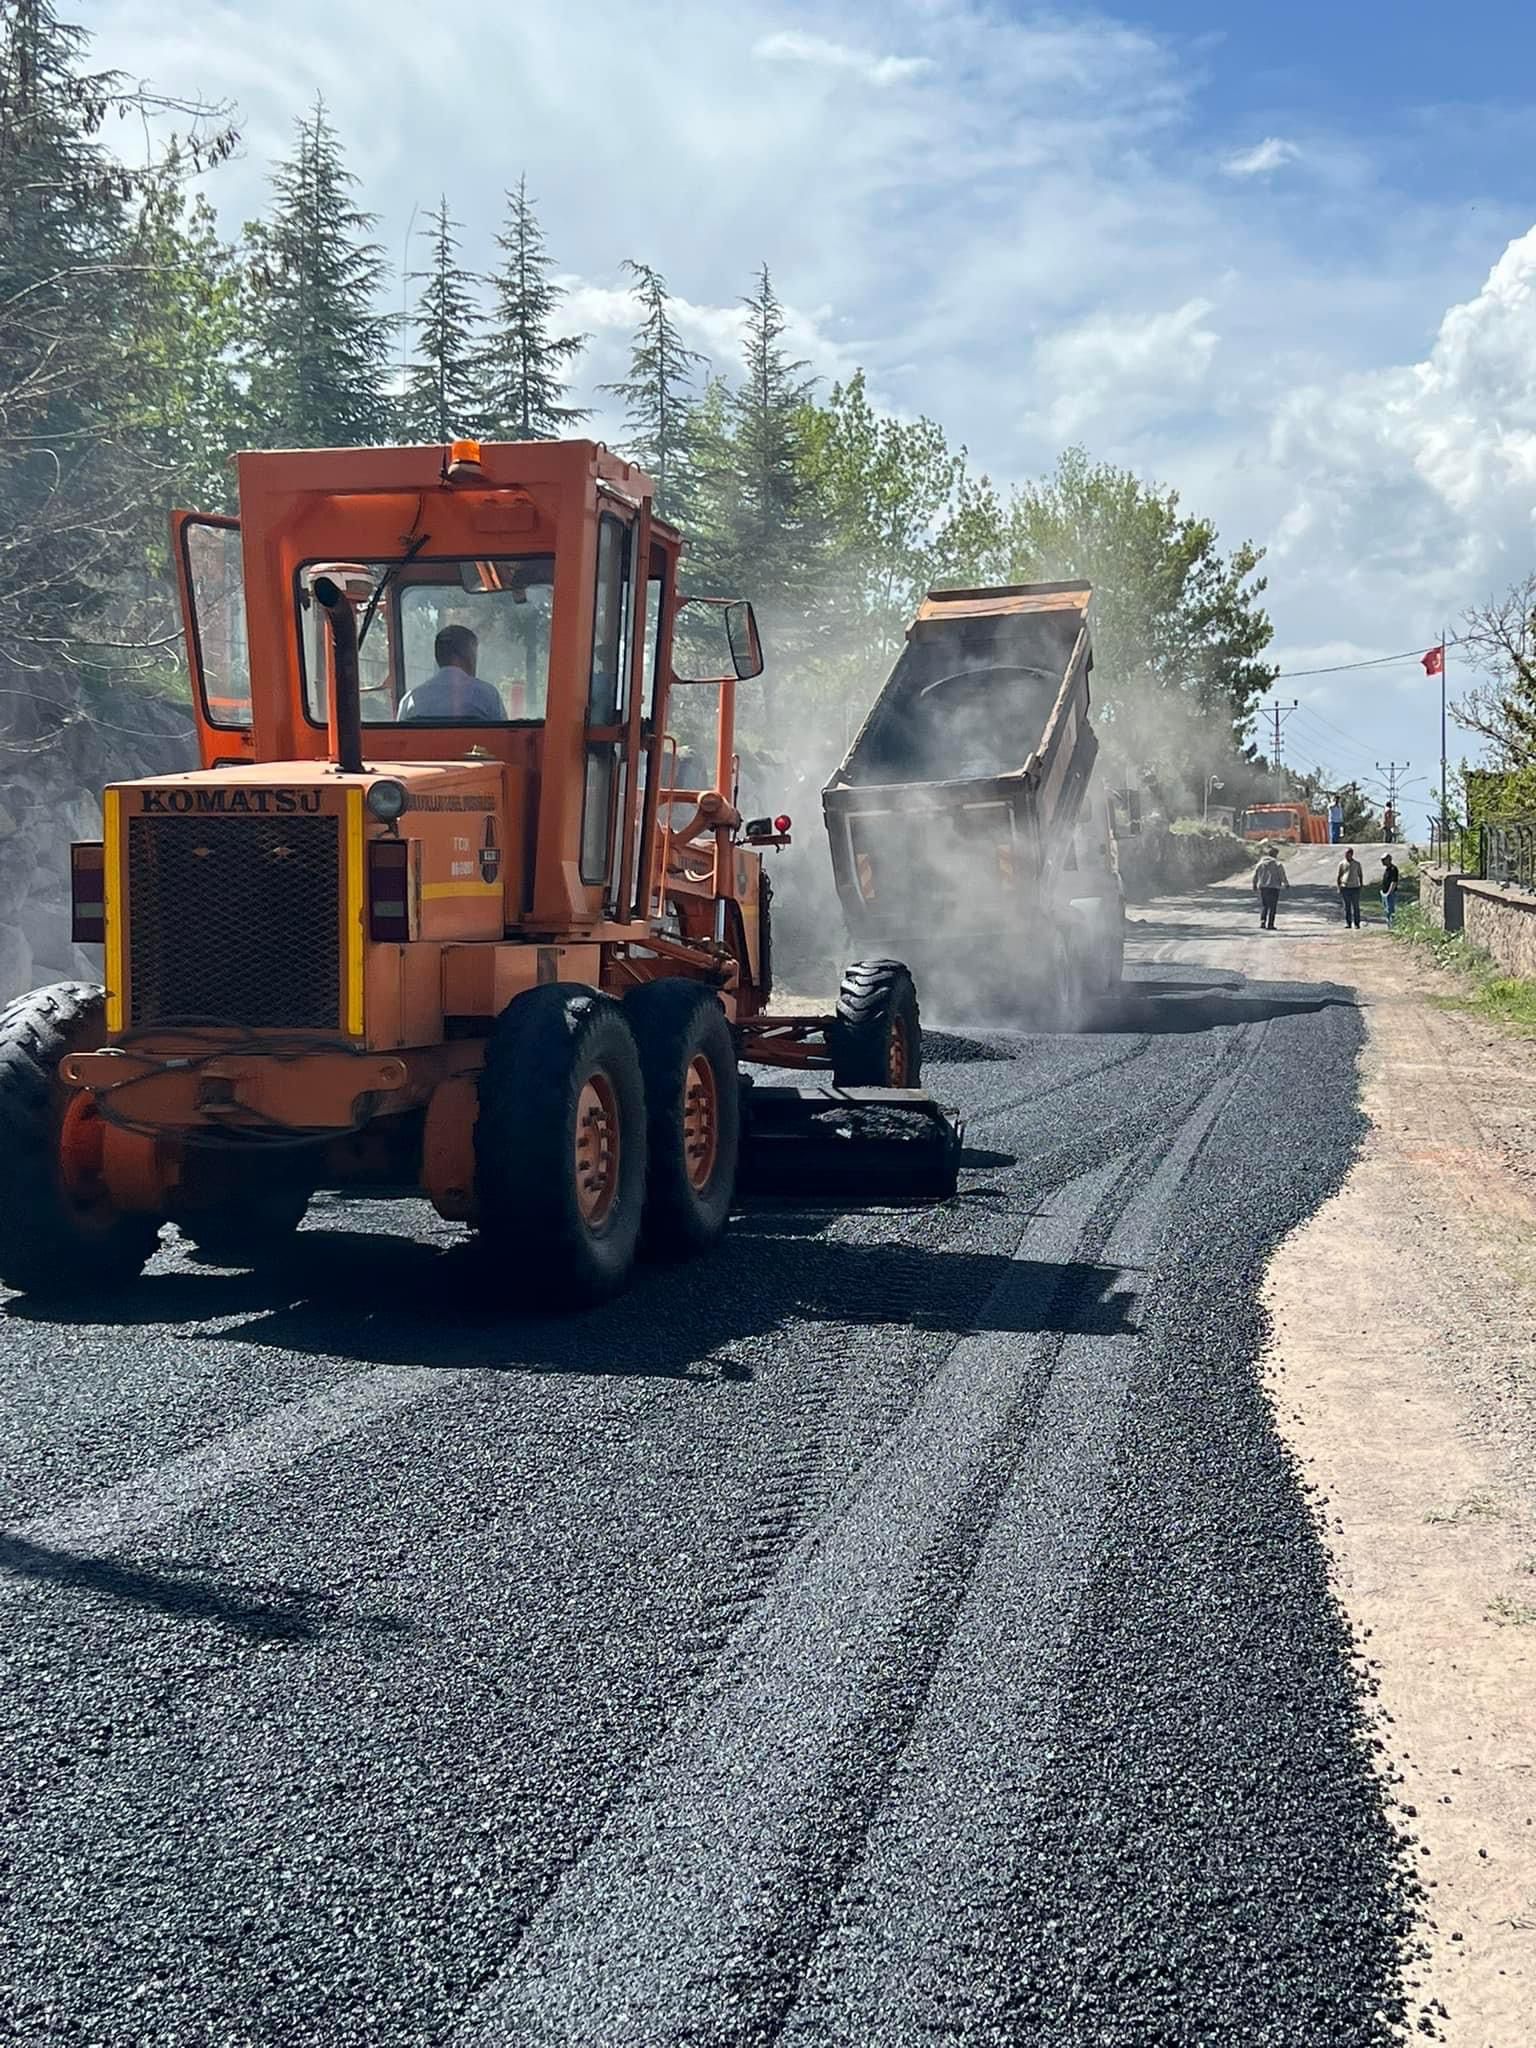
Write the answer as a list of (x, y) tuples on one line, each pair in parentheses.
[(235, 921)]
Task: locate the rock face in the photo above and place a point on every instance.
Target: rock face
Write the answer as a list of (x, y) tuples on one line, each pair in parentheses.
[(55, 755)]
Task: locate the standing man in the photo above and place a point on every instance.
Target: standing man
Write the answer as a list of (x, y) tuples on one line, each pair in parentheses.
[(1269, 878), (1389, 882), (1351, 880)]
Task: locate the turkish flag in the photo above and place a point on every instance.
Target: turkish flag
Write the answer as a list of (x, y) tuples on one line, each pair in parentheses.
[(1434, 661)]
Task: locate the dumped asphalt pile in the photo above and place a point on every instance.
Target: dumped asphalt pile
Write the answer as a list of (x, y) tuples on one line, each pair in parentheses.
[(898, 1628)]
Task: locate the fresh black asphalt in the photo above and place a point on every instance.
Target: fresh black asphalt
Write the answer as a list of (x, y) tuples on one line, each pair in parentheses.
[(903, 1627)]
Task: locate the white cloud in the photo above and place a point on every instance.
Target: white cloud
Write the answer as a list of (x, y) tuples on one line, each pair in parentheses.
[(793, 47), (1272, 154), (1153, 363), (1419, 480)]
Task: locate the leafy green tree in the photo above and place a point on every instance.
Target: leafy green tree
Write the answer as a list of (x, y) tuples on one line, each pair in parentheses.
[(882, 487), (442, 397), (185, 409), (318, 352), (1179, 633), (523, 367), (658, 394), (82, 311)]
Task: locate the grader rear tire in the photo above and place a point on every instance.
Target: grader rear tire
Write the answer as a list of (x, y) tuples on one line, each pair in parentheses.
[(693, 1114), (876, 1036), (59, 1234), (560, 1151)]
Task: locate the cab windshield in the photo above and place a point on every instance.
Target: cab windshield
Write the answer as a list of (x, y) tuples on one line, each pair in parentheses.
[(450, 642)]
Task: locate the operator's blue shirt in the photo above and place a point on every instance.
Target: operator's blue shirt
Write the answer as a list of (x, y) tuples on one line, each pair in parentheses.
[(452, 694)]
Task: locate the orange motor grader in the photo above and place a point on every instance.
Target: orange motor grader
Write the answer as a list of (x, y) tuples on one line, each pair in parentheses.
[(436, 916)]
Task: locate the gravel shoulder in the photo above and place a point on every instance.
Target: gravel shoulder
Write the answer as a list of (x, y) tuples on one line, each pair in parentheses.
[(1402, 1366)]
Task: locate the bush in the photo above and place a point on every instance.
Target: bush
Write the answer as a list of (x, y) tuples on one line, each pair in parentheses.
[(1486, 989)]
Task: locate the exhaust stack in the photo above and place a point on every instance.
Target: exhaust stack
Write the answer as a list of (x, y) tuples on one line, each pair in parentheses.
[(346, 707)]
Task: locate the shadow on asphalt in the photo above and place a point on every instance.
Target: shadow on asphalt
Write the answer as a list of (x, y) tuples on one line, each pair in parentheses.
[(1151, 1008), (387, 1300), (259, 1613), (954, 1048)]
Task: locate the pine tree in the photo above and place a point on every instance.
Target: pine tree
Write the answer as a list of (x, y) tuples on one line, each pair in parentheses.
[(442, 393), (523, 365), (656, 393), (760, 531), (777, 511), (319, 347)]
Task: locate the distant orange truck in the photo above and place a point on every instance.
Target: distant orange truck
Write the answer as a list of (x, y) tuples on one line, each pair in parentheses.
[(1298, 823)]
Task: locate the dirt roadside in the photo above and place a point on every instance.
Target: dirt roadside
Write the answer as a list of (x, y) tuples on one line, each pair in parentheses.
[(1403, 1371)]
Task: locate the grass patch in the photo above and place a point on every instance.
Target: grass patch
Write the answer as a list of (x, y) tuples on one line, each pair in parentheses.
[(1511, 1613), (1477, 1507), (1485, 988)]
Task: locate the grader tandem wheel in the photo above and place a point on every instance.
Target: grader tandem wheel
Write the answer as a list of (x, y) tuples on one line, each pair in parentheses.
[(606, 1130)]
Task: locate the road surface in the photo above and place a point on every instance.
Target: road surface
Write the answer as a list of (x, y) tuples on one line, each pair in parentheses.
[(902, 1628)]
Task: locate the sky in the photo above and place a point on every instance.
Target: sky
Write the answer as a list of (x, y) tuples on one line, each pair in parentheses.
[(1281, 258)]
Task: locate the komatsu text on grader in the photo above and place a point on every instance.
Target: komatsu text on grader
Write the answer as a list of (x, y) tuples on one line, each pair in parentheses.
[(434, 915)]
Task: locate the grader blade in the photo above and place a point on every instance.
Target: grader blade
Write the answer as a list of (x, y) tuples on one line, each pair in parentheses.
[(849, 1146)]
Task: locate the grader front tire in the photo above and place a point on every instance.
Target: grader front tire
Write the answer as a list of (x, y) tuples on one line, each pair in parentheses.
[(59, 1234), (560, 1151), (876, 1036)]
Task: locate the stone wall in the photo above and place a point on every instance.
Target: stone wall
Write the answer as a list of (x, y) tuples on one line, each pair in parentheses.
[(1501, 922), (1440, 897), (1155, 861), (54, 759)]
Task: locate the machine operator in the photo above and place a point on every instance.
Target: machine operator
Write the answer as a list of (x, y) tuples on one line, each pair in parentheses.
[(455, 691)]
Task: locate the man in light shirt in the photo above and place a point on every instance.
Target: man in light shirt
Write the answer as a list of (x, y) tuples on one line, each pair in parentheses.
[(1351, 880), (1269, 878), (455, 692)]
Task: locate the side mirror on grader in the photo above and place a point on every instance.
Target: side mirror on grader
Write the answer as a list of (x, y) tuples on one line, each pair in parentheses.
[(435, 915)]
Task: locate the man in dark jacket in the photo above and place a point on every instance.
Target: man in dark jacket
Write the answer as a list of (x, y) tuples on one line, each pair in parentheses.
[(1389, 881)]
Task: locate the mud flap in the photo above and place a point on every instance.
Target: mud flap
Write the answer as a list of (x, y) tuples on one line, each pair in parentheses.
[(848, 1146)]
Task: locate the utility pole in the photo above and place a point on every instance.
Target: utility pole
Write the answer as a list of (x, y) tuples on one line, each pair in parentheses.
[(1392, 771), (1279, 713), (1445, 820)]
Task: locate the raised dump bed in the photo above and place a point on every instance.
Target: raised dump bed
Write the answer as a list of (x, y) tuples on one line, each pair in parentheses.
[(963, 833)]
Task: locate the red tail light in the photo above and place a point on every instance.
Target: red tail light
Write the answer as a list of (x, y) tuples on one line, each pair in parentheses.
[(389, 890), (88, 891), (781, 823)]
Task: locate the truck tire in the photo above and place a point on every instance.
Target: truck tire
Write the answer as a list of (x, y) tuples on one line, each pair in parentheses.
[(560, 1154), (1099, 923), (692, 1114), (1063, 999), (59, 1234), (876, 1035)]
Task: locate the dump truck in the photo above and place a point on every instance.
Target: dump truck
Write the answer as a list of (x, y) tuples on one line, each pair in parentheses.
[(967, 827), (436, 915), (1296, 823)]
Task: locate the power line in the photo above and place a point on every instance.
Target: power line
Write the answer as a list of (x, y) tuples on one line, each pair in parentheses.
[(1288, 675), (1329, 750), (1353, 740)]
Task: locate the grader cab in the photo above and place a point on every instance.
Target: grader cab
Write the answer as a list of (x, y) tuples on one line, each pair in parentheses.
[(435, 916)]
